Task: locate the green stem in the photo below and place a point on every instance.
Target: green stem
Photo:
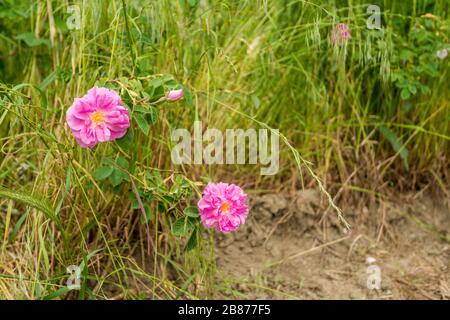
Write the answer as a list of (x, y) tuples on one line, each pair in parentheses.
[(130, 38)]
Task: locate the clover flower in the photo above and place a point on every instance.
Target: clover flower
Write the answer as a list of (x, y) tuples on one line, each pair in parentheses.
[(442, 54)]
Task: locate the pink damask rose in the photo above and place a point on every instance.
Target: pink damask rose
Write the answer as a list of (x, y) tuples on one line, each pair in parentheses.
[(98, 116), (223, 207), (174, 95)]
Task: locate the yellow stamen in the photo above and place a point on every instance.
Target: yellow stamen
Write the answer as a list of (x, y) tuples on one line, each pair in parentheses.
[(224, 208), (97, 117)]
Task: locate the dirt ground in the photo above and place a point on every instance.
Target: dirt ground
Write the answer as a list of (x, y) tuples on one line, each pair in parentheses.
[(290, 248)]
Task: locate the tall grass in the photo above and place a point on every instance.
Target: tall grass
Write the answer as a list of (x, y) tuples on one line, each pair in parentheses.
[(268, 60)]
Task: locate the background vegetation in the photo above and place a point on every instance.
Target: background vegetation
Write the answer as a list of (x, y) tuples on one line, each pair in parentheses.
[(370, 117)]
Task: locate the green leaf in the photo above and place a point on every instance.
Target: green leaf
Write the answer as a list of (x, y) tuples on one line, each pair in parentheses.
[(116, 178), (397, 76), (425, 89), (430, 69), (60, 292), (191, 212), (255, 100), (49, 79), (122, 162), (17, 226), (30, 39), (407, 55), (192, 3), (142, 109), (148, 214), (192, 242), (396, 144), (37, 290), (61, 25), (127, 141), (156, 82), (103, 173), (152, 116), (180, 227), (188, 97), (428, 23), (167, 78), (134, 201), (405, 94), (142, 123)]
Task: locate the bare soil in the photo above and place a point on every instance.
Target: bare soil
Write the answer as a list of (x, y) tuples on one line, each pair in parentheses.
[(291, 248)]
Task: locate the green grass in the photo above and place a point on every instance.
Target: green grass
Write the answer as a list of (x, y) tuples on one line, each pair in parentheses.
[(247, 64)]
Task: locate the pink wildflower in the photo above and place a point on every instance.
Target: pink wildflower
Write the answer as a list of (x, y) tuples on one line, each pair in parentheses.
[(175, 95), (223, 206), (340, 34), (98, 116)]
